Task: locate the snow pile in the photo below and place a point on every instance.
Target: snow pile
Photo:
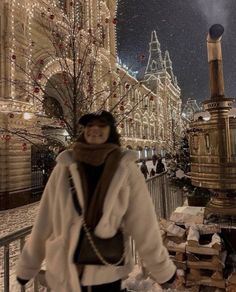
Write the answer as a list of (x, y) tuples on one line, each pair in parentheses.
[(138, 282)]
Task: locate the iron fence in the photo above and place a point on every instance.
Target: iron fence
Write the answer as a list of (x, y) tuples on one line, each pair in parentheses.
[(42, 163), (165, 199), (10, 248), (165, 196)]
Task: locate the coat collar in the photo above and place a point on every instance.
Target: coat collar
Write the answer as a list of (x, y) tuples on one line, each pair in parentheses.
[(66, 159)]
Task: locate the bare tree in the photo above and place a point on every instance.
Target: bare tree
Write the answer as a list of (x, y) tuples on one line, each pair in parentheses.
[(74, 88)]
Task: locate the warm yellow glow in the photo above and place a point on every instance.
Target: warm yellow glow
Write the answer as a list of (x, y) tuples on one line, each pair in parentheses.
[(27, 116), (147, 118)]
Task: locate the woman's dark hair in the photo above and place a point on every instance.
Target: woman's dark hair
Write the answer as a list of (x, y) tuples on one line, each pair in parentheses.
[(114, 136)]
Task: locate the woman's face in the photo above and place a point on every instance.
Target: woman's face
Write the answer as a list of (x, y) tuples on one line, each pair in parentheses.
[(96, 132)]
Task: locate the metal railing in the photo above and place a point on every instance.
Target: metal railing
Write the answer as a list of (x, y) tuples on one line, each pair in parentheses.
[(42, 163), (9, 243), (165, 199)]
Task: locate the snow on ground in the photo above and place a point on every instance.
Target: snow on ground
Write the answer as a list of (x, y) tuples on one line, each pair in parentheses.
[(17, 218), (137, 282), (10, 221)]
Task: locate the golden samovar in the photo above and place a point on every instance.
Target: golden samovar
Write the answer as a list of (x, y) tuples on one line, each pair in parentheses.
[(213, 142)]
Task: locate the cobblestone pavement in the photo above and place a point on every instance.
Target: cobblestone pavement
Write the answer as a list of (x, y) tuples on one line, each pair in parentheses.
[(10, 221)]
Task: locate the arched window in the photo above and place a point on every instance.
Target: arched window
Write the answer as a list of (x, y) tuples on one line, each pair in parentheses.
[(138, 129), (152, 133), (154, 65), (136, 96), (145, 131), (52, 107), (162, 134)]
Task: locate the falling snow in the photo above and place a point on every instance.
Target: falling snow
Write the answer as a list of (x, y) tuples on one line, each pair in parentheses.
[(182, 27)]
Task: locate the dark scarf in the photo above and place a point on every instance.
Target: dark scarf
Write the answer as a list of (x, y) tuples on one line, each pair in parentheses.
[(108, 154)]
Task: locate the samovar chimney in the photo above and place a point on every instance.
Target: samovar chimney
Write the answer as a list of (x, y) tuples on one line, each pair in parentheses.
[(217, 105), (212, 142), (215, 61)]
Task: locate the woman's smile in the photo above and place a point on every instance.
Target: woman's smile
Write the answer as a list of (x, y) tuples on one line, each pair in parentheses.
[(96, 132)]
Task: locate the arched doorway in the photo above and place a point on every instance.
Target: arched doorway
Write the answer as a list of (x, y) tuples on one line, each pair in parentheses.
[(64, 105)]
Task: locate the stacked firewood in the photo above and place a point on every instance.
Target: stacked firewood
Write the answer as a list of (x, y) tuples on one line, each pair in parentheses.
[(174, 238), (231, 282), (205, 257), (198, 251)]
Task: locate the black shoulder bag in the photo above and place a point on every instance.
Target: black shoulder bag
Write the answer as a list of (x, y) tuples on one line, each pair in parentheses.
[(95, 250)]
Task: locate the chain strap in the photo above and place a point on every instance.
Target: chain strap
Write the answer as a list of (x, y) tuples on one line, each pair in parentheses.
[(86, 229), (97, 252)]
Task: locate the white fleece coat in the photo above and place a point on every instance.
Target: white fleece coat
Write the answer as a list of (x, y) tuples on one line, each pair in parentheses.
[(57, 228)]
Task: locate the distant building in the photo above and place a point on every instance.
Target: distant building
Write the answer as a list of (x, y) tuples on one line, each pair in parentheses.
[(159, 77), (190, 109)]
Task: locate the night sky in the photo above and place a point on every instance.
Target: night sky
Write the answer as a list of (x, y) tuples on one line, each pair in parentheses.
[(182, 27)]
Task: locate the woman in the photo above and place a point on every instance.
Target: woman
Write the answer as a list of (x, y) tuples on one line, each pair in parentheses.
[(109, 182)]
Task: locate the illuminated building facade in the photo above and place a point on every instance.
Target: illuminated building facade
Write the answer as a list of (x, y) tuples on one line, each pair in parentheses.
[(148, 116), (159, 77)]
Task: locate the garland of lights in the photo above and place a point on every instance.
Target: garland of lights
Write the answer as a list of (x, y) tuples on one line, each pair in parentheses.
[(51, 67)]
